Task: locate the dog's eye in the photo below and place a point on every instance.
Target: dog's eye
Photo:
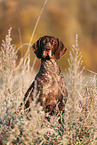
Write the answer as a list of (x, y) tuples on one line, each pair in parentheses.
[(44, 41), (53, 42)]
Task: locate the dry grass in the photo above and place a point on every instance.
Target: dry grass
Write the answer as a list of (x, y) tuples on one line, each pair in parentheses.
[(79, 125)]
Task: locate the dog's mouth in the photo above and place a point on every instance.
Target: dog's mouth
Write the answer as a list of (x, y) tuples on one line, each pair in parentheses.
[(47, 55)]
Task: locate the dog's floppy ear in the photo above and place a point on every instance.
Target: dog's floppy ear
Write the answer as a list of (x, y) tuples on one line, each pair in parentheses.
[(37, 48), (61, 50)]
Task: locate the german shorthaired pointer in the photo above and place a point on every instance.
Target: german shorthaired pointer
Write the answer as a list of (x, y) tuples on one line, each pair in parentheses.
[(49, 83)]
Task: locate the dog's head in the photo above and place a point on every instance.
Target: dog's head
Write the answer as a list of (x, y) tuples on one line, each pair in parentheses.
[(48, 47)]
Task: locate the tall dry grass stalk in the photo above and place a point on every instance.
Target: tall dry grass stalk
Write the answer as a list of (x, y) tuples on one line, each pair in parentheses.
[(81, 109), (27, 55)]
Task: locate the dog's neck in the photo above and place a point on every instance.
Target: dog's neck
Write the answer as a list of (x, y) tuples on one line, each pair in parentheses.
[(50, 65)]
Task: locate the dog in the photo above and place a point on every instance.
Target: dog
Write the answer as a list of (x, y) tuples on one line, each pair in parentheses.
[(49, 84)]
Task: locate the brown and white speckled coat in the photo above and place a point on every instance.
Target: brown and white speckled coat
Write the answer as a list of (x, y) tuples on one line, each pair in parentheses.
[(49, 83)]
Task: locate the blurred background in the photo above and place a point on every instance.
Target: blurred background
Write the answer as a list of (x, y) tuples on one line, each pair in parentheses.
[(61, 18)]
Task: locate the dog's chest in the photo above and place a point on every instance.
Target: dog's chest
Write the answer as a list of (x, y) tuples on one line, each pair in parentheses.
[(50, 79), (51, 84)]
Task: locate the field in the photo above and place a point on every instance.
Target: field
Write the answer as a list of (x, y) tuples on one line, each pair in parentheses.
[(79, 125)]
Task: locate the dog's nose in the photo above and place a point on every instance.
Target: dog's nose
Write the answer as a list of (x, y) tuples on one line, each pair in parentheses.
[(47, 46)]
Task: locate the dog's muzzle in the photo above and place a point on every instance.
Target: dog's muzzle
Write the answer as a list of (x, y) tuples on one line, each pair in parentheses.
[(47, 50)]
